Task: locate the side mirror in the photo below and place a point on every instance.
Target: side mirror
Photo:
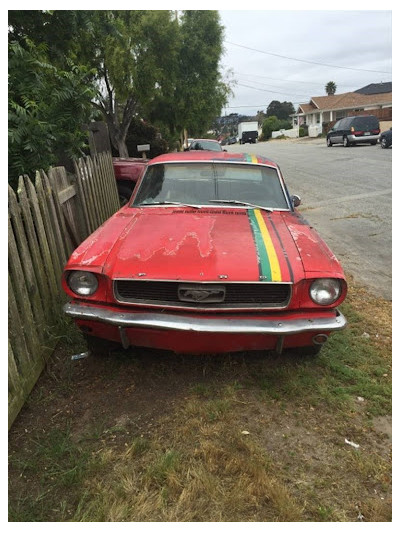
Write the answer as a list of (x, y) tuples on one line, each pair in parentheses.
[(296, 200)]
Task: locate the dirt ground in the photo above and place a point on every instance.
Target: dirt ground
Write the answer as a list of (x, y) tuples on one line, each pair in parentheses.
[(137, 394)]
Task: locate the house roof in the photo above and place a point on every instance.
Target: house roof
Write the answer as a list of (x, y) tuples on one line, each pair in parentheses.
[(344, 101), (376, 88)]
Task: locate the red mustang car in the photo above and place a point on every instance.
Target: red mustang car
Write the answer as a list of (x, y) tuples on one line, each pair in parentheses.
[(210, 255)]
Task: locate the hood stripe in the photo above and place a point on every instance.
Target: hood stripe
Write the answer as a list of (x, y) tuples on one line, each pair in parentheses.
[(283, 248), (268, 262)]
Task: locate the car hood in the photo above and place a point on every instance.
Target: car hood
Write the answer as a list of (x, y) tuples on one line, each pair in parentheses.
[(206, 245)]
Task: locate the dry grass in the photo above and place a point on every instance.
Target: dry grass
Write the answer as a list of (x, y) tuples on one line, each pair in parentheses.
[(245, 438), (202, 468)]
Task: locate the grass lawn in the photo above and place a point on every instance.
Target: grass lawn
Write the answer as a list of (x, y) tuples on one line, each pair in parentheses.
[(150, 436)]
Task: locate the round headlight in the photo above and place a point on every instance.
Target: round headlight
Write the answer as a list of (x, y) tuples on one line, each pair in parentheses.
[(82, 283), (325, 291)]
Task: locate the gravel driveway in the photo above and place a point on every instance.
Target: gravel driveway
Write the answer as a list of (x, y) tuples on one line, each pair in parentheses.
[(346, 195)]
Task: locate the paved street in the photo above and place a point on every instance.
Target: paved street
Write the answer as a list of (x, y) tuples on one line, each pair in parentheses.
[(346, 195)]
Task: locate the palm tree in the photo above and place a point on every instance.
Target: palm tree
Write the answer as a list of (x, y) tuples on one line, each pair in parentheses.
[(330, 87)]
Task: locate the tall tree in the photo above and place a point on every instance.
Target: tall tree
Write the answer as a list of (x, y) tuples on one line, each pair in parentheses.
[(200, 91), (281, 110), (330, 88), (135, 53)]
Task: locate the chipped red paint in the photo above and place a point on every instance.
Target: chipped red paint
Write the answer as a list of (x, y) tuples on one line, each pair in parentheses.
[(203, 245)]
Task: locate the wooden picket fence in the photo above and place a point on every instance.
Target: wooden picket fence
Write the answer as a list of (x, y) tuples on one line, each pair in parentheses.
[(47, 219)]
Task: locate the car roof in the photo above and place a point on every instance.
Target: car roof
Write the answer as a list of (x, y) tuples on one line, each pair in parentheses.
[(212, 156)]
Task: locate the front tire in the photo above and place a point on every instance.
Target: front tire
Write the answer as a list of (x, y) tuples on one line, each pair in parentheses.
[(346, 143), (328, 142)]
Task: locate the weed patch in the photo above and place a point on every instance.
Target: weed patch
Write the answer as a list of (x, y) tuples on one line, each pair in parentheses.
[(241, 437)]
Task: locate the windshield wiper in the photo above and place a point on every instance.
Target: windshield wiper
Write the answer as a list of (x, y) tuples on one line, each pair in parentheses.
[(169, 203), (237, 202)]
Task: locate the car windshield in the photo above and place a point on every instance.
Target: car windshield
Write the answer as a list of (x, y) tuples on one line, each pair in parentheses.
[(212, 184), (206, 145)]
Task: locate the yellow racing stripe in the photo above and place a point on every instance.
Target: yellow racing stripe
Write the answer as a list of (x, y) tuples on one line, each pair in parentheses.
[(269, 246)]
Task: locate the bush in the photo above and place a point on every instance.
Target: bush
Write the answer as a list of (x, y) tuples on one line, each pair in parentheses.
[(269, 125), (274, 124), (303, 131)]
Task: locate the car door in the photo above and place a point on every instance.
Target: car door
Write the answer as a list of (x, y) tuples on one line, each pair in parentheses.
[(335, 135)]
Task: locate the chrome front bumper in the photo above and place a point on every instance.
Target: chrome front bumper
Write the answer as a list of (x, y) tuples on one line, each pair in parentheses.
[(205, 325)]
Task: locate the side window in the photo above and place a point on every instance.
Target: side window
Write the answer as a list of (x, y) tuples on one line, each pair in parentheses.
[(337, 125), (346, 123)]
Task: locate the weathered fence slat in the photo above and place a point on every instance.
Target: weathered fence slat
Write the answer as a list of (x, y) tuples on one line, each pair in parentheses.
[(43, 243), (49, 226), (82, 200), (16, 332), (26, 261), (45, 294), (65, 191), (104, 186), (54, 220), (95, 180), (83, 176), (21, 294), (68, 245), (112, 182)]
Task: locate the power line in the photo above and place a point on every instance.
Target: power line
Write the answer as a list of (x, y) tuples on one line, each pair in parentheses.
[(269, 91), (291, 81), (306, 61), (266, 85)]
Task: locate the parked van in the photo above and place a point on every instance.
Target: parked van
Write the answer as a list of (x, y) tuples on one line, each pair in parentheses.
[(353, 130)]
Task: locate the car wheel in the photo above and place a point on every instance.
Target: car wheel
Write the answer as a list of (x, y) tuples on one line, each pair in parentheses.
[(124, 194), (373, 143), (328, 142), (100, 347), (384, 143), (346, 142)]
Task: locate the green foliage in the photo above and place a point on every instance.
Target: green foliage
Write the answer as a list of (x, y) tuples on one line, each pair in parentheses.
[(271, 124), (126, 64), (141, 132), (330, 87), (47, 107), (59, 31), (303, 131), (200, 91), (281, 110)]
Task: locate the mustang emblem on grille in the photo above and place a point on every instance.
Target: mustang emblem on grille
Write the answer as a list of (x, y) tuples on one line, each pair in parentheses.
[(198, 293)]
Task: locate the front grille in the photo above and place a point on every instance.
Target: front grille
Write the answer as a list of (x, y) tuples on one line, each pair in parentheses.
[(236, 295)]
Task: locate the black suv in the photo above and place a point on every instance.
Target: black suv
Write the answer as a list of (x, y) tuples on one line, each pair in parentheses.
[(352, 130)]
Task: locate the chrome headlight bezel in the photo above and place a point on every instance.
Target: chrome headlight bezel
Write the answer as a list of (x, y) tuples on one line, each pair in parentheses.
[(325, 291), (82, 282)]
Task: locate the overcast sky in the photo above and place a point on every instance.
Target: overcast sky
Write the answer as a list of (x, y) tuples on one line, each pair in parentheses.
[(359, 40)]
